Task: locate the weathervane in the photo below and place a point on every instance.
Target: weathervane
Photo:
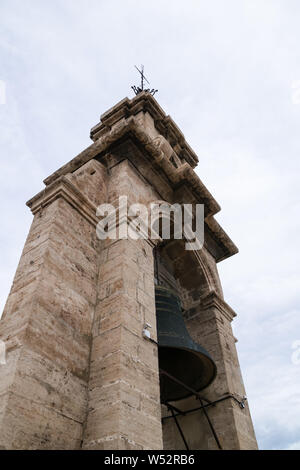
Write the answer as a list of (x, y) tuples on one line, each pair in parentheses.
[(139, 89)]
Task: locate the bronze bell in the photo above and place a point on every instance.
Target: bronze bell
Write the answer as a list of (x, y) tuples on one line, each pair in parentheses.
[(179, 356)]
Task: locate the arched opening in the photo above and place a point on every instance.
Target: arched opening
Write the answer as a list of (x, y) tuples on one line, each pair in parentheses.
[(185, 366)]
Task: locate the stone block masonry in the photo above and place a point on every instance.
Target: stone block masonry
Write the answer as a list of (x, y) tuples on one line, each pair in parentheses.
[(79, 374)]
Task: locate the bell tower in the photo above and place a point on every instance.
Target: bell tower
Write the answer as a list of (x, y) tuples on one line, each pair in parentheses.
[(83, 368)]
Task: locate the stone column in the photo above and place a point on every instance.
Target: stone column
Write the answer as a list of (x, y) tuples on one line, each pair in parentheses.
[(124, 405), (124, 400), (47, 322)]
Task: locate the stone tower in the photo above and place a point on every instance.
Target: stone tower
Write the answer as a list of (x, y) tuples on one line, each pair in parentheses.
[(79, 373)]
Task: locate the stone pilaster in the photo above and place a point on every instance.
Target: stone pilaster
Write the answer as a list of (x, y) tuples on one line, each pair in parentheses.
[(124, 405), (47, 322), (124, 400)]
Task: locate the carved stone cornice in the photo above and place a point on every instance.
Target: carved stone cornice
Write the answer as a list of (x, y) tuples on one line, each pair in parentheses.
[(209, 302), (64, 188), (146, 103), (177, 176), (213, 300), (117, 123)]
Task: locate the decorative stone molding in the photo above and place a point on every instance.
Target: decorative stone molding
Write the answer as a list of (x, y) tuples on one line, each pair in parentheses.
[(184, 175), (147, 104), (62, 187), (211, 301), (165, 146)]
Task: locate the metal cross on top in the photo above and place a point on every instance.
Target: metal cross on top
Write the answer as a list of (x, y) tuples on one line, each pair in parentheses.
[(139, 89)]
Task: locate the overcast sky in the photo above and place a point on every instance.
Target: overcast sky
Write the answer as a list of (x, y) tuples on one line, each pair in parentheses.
[(225, 71)]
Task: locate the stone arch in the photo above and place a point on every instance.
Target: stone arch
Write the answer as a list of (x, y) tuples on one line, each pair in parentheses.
[(194, 271)]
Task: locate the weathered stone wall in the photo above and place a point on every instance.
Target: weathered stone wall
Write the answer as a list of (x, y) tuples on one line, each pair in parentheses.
[(124, 400), (46, 325), (79, 373)]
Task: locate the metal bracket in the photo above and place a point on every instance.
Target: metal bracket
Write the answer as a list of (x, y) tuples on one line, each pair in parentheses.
[(177, 412)]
